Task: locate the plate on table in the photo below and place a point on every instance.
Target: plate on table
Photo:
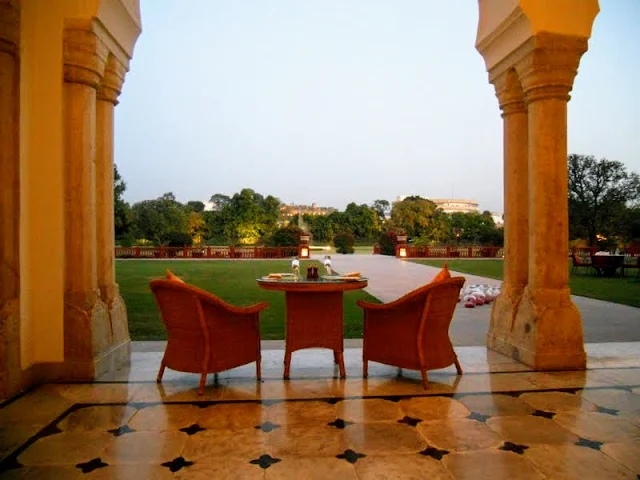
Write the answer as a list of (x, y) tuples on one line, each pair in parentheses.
[(341, 278), (279, 276)]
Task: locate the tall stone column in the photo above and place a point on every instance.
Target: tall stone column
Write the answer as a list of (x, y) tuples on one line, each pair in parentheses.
[(549, 328), (87, 330), (9, 199), (107, 99), (516, 204)]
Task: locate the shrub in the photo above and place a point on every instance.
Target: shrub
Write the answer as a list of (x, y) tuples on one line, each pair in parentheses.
[(344, 242), (387, 242), (178, 239), (286, 237)]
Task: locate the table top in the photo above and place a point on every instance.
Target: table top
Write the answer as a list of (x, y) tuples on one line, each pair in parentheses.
[(302, 284)]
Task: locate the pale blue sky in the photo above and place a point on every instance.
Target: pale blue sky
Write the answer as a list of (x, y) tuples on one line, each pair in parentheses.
[(333, 101)]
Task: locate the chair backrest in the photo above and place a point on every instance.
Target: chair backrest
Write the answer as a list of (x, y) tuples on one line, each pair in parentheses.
[(178, 303), (440, 304)]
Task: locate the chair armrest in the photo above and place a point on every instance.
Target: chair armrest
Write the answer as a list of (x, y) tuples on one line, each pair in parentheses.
[(398, 302), (376, 307)]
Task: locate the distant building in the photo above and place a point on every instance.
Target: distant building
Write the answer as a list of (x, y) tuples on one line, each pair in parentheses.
[(452, 205), (288, 211)]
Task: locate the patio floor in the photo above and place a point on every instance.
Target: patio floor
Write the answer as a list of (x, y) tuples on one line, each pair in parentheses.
[(496, 421)]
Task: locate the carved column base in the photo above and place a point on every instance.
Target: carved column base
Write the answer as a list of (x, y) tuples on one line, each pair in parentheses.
[(503, 315), (546, 334), (90, 349), (10, 370), (119, 321)]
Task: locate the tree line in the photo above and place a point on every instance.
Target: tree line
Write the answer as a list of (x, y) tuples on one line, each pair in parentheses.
[(604, 209), (251, 218)]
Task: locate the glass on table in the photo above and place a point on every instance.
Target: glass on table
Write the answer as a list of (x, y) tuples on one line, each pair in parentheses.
[(327, 263), (295, 266)]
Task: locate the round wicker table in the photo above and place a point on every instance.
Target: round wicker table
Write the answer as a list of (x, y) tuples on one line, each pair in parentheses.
[(314, 314)]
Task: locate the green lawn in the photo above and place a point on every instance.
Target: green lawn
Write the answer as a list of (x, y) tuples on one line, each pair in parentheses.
[(625, 290), (232, 280)]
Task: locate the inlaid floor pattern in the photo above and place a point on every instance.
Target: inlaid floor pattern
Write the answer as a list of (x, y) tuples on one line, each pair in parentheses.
[(569, 433)]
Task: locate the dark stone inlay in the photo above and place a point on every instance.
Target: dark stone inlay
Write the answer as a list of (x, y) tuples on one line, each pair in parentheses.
[(265, 461), (542, 413), (340, 423), (511, 394), (10, 463), (608, 411), (267, 427), (479, 417), (91, 465), (513, 447), (117, 432), (585, 442), (177, 464), (49, 430), (333, 401), (139, 405), (268, 403), (434, 453), (410, 421), (350, 456), (192, 429), (394, 399)]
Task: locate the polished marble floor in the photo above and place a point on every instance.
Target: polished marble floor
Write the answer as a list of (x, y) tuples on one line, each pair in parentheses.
[(499, 420)]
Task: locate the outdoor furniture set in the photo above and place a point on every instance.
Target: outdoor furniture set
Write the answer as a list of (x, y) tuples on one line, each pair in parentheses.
[(605, 264), (208, 335)]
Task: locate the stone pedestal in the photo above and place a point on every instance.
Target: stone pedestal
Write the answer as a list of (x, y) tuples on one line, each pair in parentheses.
[(107, 99)]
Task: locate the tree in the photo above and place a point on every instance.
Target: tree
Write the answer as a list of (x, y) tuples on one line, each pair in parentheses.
[(362, 221), (121, 209), (156, 219), (219, 201), (599, 193), (420, 219), (195, 206), (382, 208)]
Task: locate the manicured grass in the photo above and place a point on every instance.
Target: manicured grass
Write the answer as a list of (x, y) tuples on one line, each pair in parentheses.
[(232, 280), (624, 290)]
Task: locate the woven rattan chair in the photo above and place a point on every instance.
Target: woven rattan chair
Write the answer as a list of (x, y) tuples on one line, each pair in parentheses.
[(206, 334), (413, 331)]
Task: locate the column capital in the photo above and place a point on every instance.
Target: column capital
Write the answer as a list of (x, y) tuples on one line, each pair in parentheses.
[(9, 26), (509, 93), (549, 66), (111, 84), (85, 57)]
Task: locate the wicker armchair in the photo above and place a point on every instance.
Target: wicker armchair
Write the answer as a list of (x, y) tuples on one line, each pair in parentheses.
[(206, 334), (413, 331)]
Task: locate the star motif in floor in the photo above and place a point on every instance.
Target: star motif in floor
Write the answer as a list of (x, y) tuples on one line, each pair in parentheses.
[(608, 411), (350, 456), (177, 464), (265, 461), (434, 453), (49, 430), (339, 423), (513, 447), (192, 429), (410, 421), (91, 465), (478, 417), (267, 427), (542, 413), (117, 432), (585, 442)]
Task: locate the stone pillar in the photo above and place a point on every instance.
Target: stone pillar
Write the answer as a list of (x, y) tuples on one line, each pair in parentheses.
[(107, 99), (516, 204), (9, 200), (548, 333), (87, 330)]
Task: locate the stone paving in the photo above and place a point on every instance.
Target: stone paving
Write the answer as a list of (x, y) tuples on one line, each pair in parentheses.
[(390, 278)]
